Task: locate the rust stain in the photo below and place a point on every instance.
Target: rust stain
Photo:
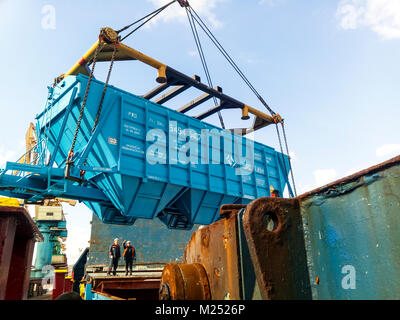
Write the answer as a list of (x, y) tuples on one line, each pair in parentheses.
[(228, 209), (205, 238), (215, 247), (278, 254), (225, 239)]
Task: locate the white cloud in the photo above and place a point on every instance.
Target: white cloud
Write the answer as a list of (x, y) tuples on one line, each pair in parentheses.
[(324, 176), (204, 8), (381, 16), (388, 150)]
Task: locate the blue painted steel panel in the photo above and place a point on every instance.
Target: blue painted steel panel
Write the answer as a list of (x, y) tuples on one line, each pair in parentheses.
[(99, 296), (120, 160), (352, 234), (88, 292)]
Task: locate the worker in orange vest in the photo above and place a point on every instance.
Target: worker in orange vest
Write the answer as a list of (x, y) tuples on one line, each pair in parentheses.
[(129, 255)]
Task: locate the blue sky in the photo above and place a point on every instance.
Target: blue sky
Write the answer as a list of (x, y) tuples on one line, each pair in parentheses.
[(330, 68)]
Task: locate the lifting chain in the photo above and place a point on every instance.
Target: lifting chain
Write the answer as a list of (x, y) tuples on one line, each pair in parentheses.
[(116, 45), (104, 36), (96, 121)]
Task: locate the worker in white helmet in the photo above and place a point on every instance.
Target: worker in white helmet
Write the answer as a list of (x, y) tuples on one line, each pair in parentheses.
[(115, 254)]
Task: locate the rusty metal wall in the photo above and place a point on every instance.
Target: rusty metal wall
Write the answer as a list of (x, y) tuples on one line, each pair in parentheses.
[(352, 235), (216, 248), (153, 241)]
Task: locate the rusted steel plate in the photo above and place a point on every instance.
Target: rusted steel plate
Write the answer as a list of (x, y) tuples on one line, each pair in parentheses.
[(125, 284), (216, 248), (273, 230), (228, 209)]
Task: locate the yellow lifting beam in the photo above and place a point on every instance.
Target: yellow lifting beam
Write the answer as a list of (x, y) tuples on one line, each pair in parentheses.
[(124, 53)]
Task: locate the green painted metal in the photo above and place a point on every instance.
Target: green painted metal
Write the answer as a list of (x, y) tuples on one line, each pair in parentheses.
[(49, 247), (250, 288)]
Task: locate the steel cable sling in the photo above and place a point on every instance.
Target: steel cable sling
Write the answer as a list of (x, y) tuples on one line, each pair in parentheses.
[(203, 59), (195, 35), (149, 16), (196, 17)]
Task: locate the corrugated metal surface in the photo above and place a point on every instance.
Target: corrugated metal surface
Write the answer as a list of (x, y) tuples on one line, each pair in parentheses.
[(154, 242), (139, 157), (352, 233)]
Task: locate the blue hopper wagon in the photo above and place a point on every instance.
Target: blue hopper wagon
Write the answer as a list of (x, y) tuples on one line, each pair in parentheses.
[(135, 158)]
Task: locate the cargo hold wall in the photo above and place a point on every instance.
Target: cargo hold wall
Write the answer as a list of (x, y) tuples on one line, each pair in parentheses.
[(153, 241)]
